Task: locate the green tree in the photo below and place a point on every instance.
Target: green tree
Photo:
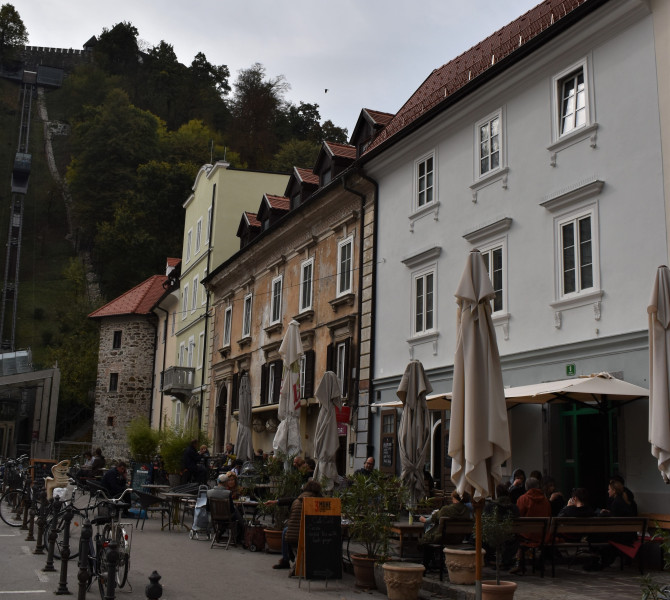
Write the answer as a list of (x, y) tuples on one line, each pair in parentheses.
[(12, 31), (211, 75), (117, 51), (256, 109), (108, 146), (86, 86), (295, 153), (331, 133)]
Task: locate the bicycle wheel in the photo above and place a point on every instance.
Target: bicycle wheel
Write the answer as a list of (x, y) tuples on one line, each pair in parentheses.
[(75, 534), (12, 506), (123, 550), (101, 568)]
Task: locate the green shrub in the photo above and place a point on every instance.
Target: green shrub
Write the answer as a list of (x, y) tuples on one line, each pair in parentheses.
[(142, 439)]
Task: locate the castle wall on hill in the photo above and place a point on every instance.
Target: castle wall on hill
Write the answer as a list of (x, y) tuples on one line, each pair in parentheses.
[(62, 58)]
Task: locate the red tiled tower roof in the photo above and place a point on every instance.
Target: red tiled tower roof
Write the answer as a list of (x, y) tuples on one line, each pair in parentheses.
[(454, 75), (137, 301)]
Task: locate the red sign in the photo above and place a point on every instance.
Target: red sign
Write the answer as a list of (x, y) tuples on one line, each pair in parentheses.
[(341, 429), (342, 414)]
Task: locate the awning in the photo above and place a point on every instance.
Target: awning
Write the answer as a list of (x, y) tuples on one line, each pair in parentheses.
[(598, 389)]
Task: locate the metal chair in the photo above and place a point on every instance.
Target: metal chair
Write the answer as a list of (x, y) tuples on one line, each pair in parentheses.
[(225, 528), (150, 503)]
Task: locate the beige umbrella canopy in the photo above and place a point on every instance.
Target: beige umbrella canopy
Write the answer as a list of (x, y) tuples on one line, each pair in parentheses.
[(414, 429), (326, 442), (659, 371), (243, 443), (478, 435), (287, 438)]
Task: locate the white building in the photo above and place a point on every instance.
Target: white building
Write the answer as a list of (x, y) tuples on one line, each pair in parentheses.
[(541, 147)]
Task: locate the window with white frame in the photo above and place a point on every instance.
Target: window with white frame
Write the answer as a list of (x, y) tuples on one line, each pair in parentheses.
[(191, 347), (303, 370), (194, 300), (201, 349), (271, 382), (227, 326), (345, 265), (489, 143), (425, 181), (187, 250), (306, 283), (182, 354), (246, 320), (275, 309), (341, 364), (578, 255), (177, 414), (174, 318), (494, 261), (424, 301), (198, 235), (209, 222), (184, 303), (571, 99)]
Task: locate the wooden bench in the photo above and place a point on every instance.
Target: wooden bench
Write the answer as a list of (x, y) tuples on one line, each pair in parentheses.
[(571, 532), (531, 534), (657, 520)]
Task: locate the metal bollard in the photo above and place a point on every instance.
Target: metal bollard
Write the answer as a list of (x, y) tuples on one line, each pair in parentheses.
[(24, 525), (84, 575), (112, 564), (41, 520), (65, 553), (49, 566), (31, 523), (154, 590)]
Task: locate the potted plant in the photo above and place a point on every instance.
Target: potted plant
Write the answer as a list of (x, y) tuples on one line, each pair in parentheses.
[(142, 440), (172, 446), (497, 530), (371, 504)]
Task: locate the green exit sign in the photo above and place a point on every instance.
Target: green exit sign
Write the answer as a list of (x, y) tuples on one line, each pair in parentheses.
[(570, 369)]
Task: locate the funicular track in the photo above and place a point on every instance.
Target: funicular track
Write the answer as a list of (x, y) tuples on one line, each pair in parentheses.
[(20, 175)]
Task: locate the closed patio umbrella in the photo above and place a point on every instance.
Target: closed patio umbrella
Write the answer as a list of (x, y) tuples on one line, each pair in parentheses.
[(414, 430), (326, 440), (287, 438), (659, 371), (243, 442), (478, 436)]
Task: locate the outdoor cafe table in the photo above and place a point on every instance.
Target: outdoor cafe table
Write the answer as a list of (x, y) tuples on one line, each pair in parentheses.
[(249, 507), (178, 501), (405, 530)]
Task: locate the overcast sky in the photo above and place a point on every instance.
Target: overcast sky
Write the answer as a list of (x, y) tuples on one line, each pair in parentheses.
[(366, 53)]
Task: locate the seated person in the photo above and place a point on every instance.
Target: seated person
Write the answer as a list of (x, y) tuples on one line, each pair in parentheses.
[(434, 525), (518, 487), (223, 491), (554, 496), (577, 505), (96, 465)]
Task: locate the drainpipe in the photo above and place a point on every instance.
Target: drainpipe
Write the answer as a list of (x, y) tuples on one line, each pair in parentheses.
[(165, 330), (373, 299)]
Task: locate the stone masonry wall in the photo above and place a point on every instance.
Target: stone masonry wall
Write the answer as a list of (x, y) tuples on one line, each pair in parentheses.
[(133, 362)]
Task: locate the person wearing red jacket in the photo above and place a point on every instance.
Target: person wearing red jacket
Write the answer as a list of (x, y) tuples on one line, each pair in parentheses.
[(531, 504)]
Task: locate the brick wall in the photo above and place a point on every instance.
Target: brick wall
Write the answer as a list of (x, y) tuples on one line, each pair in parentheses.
[(132, 363)]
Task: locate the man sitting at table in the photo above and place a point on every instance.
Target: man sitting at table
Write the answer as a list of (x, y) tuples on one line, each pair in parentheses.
[(434, 526), (222, 491)]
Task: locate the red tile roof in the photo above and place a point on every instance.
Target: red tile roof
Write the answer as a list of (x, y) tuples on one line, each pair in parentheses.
[(454, 75), (378, 117), (278, 202), (307, 176), (342, 150), (251, 219), (137, 301), (173, 262)]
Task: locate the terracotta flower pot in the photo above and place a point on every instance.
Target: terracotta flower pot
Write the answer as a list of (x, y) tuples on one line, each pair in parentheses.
[(273, 540), (461, 565), (492, 591), (403, 580), (364, 571)]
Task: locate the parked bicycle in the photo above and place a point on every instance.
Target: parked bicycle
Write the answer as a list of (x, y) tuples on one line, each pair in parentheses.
[(19, 495)]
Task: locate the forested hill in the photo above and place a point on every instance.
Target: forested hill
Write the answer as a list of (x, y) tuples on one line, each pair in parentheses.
[(142, 125)]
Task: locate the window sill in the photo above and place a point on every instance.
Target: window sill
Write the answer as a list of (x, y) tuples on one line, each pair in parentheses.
[(594, 298), (225, 351), (306, 315), (430, 337), (274, 328), (426, 209), (245, 341), (578, 135), (501, 319), (488, 179), (343, 300)]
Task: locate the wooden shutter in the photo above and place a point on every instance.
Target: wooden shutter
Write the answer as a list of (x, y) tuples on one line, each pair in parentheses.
[(277, 382), (346, 383), (235, 399), (309, 374), (264, 384), (330, 353)]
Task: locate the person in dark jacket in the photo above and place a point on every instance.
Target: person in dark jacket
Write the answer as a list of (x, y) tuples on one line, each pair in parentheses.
[(191, 463), (434, 526), (114, 481), (291, 533), (518, 487), (577, 505)]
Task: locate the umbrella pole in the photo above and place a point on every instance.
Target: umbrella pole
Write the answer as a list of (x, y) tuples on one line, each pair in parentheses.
[(478, 506)]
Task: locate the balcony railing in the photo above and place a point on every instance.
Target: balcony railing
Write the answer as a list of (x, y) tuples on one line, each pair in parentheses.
[(178, 381)]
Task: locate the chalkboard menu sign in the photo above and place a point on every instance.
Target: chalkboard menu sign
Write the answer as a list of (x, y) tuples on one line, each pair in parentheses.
[(42, 469), (320, 545), (388, 447)]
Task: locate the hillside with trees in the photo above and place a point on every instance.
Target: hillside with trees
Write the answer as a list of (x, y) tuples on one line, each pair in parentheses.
[(140, 126)]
